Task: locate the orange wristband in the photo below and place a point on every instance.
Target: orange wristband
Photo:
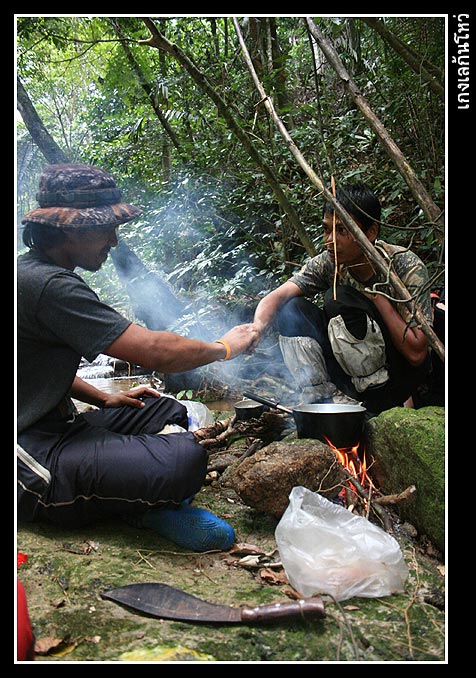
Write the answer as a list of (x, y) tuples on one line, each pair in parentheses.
[(227, 347)]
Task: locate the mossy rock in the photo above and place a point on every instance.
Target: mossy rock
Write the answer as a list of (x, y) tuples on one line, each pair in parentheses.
[(408, 448)]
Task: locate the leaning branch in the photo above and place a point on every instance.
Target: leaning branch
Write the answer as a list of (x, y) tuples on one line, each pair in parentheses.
[(412, 308), (432, 212), (159, 41), (419, 65), (406, 495), (146, 86)]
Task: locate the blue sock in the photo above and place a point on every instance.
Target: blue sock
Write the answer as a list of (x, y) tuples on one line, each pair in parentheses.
[(190, 527)]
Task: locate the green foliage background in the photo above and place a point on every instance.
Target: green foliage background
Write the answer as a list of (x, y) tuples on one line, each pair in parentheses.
[(210, 222)]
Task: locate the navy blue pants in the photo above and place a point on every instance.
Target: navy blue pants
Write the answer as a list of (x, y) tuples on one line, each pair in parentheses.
[(108, 462)]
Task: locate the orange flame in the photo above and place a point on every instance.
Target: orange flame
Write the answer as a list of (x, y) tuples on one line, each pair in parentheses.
[(350, 460)]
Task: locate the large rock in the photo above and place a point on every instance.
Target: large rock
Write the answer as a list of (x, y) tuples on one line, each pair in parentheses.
[(409, 449), (265, 480)]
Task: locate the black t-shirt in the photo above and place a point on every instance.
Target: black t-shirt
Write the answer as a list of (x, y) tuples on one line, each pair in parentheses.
[(60, 319)]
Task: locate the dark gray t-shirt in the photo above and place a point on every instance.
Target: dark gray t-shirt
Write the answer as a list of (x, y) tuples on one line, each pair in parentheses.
[(59, 320)]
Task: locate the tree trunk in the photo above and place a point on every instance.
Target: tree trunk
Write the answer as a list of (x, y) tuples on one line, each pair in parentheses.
[(412, 308), (427, 71), (279, 68), (39, 134), (146, 86)]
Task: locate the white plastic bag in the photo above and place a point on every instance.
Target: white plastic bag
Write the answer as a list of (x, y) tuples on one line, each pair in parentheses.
[(198, 414), (325, 549)]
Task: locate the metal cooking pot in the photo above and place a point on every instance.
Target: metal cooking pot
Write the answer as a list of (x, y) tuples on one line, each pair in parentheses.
[(248, 409), (342, 425)]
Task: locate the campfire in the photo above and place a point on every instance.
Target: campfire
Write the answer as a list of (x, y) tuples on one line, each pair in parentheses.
[(360, 487), (351, 461), (358, 492), (361, 494)]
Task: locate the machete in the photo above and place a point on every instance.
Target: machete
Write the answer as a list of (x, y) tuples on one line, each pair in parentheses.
[(167, 602)]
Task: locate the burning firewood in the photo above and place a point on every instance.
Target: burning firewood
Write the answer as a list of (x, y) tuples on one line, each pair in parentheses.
[(379, 510), (407, 494)]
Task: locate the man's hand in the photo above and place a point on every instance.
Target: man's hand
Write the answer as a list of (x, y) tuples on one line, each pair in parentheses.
[(241, 339), (131, 398), (87, 393)]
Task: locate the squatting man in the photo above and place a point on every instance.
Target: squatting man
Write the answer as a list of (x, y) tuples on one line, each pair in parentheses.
[(357, 347)]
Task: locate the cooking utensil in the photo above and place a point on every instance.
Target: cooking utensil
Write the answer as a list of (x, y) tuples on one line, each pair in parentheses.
[(167, 602), (248, 409), (342, 425), (267, 401)]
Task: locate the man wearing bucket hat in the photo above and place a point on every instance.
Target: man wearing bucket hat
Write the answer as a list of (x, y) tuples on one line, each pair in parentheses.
[(76, 468), (356, 346)]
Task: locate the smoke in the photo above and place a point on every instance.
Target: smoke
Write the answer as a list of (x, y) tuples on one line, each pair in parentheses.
[(160, 306), (203, 261)]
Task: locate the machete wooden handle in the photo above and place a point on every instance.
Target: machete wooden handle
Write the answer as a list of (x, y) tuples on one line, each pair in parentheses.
[(305, 608)]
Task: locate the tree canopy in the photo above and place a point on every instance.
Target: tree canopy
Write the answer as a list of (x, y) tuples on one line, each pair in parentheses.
[(179, 122)]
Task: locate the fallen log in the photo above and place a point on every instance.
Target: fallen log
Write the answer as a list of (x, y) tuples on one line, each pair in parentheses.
[(267, 429), (216, 433), (219, 462)]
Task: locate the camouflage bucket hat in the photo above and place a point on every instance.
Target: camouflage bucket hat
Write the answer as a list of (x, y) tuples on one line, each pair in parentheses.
[(75, 196)]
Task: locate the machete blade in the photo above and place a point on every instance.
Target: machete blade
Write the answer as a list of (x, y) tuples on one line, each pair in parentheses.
[(164, 601)]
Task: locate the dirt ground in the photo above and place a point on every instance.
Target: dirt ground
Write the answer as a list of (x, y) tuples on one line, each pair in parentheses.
[(66, 572)]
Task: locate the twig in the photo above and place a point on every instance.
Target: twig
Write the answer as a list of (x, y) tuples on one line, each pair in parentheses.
[(63, 588), (367, 513), (349, 628), (365, 495), (249, 451), (407, 609), (146, 561), (320, 489), (396, 498)]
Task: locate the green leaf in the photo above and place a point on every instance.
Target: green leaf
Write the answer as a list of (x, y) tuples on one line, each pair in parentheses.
[(188, 395)]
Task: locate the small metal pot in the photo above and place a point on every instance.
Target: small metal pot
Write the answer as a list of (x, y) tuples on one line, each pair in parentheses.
[(248, 409)]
